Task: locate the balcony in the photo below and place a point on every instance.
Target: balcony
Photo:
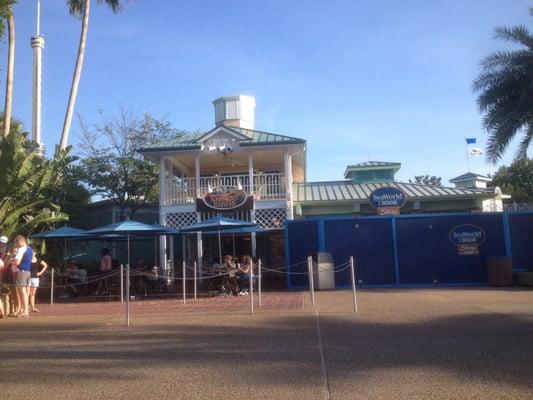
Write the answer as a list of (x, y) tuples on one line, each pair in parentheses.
[(270, 186)]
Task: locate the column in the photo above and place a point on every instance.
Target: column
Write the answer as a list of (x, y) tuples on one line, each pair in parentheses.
[(288, 183), (162, 183), (251, 172), (162, 241), (197, 175)]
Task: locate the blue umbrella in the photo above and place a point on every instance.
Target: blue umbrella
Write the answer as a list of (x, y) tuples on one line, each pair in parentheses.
[(217, 224)]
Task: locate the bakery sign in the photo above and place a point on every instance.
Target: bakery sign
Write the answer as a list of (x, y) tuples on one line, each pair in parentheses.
[(467, 238), (387, 200), (225, 198)]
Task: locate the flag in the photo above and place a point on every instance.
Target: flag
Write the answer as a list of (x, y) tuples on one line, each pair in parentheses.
[(470, 140), (475, 151)]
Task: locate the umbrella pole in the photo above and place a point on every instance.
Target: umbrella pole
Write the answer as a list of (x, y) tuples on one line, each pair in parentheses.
[(233, 245), (219, 249), (128, 285)]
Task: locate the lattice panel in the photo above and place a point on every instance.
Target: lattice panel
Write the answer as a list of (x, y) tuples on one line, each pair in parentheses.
[(180, 220), (271, 218)]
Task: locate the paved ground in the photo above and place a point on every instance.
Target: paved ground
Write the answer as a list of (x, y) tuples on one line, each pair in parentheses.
[(403, 344)]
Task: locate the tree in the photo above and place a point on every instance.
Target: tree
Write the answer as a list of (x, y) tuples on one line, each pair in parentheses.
[(80, 8), (112, 167), (427, 180), (505, 89), (516, 180), (25, 183), (6, 13)]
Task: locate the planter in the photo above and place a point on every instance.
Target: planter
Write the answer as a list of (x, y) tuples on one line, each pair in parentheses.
[(500, 271)]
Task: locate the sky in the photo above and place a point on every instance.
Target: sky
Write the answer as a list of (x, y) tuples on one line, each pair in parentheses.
[(360, 80)]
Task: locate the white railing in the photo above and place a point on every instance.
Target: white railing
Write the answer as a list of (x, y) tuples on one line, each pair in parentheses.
[(265, 187), (518, 207)]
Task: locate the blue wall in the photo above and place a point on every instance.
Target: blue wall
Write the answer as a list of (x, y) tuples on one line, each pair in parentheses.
[(408, 249)]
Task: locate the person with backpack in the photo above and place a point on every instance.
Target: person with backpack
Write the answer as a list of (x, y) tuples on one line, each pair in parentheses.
[(21, 263)]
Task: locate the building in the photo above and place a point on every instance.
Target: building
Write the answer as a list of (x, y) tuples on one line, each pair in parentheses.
[(238, 171)]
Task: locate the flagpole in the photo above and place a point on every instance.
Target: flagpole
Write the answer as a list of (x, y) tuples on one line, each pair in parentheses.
[(467, 155)]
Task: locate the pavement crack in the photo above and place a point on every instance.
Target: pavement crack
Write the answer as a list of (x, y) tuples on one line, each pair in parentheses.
[(324, 371)]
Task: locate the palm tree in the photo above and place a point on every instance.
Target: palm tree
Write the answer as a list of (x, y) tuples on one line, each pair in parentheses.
[(505, 89), (7, 13), (80, 8)]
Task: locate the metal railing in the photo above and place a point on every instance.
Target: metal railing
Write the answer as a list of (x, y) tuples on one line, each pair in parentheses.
[(518, 207), (265, 187)]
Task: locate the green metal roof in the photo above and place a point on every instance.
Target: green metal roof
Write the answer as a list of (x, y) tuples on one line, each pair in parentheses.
[(194, 141)]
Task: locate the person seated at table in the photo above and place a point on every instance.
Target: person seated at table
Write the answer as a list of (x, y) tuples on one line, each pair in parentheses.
[(231, 270), (244, 272), (72, 279)]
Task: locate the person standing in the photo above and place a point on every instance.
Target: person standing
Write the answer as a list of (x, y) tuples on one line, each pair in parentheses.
[(3, 273), (37, 268), (105, 268), (22, 263)]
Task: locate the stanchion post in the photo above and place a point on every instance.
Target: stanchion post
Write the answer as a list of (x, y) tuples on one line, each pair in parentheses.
[(311, 279), (183, 276), (127, 295), (259, 290), (352, 270), (52, 288), (195, 287), (122, 283), (252, 288)]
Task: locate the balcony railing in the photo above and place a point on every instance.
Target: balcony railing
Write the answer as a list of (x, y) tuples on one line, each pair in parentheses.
[(265, 187)]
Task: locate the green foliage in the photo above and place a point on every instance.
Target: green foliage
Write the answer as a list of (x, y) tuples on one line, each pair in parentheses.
[(112, 167), (26, 180), (505, 93), (427, 180), (76, 7), (516, 180), (6, 7)]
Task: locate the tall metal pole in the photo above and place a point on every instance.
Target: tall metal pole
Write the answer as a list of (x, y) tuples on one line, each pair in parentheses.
[(183, 275), (353, 284), (195, 285), (311, 279), (37, 44), (259, 289), (128, 293), (121, 283), (252, 288), (52, 288)]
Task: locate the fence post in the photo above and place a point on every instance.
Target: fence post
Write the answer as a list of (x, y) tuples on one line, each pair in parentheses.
[(353, 285), (122, 283), (128, 295), (311, 279), (52, 288), (252, 288), (195, 287), (259, 289), (183, 273)]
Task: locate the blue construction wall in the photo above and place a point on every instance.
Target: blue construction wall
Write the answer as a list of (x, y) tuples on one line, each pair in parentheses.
[(408, 249)]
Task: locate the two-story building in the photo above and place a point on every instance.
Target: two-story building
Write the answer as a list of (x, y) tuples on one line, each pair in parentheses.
[(231, 159)]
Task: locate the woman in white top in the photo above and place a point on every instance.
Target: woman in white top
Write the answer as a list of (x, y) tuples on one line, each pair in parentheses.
[(105, 269)]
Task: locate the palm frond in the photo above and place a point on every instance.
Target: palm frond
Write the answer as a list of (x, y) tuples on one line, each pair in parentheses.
[(516, 34)]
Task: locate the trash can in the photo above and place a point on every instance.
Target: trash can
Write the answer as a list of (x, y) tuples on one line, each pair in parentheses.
[(323, 271), (500, 271)]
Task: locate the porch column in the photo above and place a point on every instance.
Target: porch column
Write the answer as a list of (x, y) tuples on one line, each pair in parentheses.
[(200, 252), (288, 183), (162, 241), (197, 175), (251, 172), (162, 182)]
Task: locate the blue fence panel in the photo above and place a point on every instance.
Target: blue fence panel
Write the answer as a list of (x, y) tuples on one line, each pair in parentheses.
[(369, 241), (521, 232), (302, 241), (426, 252)]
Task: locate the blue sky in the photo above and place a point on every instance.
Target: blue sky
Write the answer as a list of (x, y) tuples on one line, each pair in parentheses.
[(383, 80)]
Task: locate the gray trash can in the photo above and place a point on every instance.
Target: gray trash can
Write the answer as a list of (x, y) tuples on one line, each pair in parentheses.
[(323, 271)]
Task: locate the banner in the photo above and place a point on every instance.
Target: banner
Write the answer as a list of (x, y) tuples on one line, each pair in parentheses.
[(467, 238)]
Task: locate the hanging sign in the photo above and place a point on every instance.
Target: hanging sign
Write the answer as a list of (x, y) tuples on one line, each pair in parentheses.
[(224, 198), (387, 200), (467, 238)]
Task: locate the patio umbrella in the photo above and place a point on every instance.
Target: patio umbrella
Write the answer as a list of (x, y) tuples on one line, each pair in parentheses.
[(128, 229), (218, 224), (65, 232)]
